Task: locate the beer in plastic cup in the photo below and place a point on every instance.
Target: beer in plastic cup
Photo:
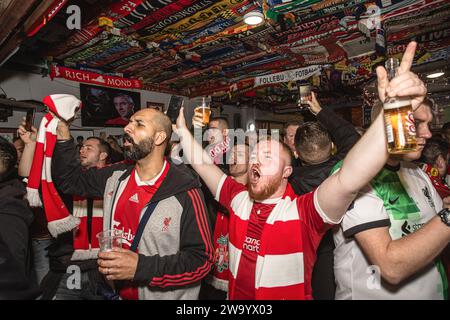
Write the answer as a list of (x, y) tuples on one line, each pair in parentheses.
[(109, 239), (203, 111)]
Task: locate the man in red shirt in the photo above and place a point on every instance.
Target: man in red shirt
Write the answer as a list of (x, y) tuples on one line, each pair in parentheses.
[(273, 233), (175, 250)]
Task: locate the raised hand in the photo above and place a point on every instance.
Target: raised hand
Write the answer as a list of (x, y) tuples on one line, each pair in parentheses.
[(405, 84), (314, 105), (25, 135)]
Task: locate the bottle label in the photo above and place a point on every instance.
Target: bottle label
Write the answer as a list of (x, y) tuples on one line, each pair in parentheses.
[(389, 131)]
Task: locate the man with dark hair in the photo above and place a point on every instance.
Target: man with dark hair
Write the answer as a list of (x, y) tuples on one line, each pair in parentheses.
[(289, 130), (436, 153), (95, 151), (16, 278), (313, 142), (218, 139), (435, 157), (76, 247), (169, 258)]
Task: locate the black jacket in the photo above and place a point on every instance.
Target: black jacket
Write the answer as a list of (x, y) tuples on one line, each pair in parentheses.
[(16, 278), (308, 177)]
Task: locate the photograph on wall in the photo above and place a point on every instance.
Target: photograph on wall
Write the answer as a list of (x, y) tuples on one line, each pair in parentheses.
[(107, 107)]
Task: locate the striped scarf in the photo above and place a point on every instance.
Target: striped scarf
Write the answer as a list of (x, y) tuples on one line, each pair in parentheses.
[(58, 216)]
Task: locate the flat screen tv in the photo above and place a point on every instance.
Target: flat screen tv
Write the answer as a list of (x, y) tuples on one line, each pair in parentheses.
[(107, 107)]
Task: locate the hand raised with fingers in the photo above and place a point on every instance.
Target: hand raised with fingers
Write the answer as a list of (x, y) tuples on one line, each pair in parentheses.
[(405, 83), (314, 105), (25, 135)]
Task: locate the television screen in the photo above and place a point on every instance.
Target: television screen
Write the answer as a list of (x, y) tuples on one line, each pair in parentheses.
[(107, 107)]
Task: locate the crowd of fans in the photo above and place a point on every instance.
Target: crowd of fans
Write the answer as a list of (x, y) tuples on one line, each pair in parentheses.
[(321, 212)]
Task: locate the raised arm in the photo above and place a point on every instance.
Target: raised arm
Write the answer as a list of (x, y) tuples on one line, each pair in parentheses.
[(197, 157), (29, 139), (67, 173), (369, 154), (342, 132)]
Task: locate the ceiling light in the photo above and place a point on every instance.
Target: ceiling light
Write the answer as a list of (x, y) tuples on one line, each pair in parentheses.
[(253, 17), (435, 75)]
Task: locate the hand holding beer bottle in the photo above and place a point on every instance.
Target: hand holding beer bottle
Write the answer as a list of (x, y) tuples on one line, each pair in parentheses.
[(402, 92)]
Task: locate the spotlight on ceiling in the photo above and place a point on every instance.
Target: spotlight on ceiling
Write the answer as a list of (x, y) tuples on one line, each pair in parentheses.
[(436, 74), (253, 17)]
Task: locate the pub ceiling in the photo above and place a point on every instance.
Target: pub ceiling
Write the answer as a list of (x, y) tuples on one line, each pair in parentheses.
[(203, 47)]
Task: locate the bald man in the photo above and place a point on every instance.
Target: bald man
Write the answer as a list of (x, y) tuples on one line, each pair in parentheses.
[(174, 250)]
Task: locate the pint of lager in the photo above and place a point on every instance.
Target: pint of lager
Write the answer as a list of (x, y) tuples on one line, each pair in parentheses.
[(399, 119), (203, 111)]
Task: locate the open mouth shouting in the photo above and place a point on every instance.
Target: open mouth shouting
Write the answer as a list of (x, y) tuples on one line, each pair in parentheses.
[(255, 174), (127, 140)]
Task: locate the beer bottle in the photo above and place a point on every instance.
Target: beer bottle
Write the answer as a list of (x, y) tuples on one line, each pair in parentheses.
[(398, 118)]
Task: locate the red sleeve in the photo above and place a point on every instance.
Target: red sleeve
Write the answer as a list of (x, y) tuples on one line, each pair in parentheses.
[(228, 188)]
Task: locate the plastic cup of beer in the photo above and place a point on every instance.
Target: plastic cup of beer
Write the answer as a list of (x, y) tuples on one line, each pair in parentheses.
[(203, 112), (109, 239), (305, 94)]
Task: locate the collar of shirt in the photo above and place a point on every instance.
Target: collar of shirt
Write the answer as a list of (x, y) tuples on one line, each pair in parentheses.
[(269, 201), (151, 182)]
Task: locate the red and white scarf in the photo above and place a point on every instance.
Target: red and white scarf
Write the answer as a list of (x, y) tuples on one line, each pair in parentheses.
[(439, 184), (86, 245), (217, 151), (59, 219)]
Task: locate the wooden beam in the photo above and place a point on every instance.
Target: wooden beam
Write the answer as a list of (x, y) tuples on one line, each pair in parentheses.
[(9, 46), (13, 16), (37, 14)]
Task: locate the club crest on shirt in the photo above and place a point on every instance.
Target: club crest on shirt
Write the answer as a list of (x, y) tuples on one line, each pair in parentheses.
[(221, 253), (166, 224)]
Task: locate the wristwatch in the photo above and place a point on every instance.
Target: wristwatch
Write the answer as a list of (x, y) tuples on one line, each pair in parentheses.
[(445, 216)]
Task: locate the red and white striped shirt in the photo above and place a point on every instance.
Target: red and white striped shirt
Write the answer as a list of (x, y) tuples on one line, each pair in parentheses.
[(286, 248)]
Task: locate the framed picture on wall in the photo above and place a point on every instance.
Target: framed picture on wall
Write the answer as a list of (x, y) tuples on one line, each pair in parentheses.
[(8, 133), (107, 107), (156, 105)]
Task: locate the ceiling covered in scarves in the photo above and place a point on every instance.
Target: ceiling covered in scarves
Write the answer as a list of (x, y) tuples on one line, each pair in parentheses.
[(203, 47)]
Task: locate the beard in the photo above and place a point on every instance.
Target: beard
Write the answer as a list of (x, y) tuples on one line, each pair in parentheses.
[(140, 150), (264, 191)]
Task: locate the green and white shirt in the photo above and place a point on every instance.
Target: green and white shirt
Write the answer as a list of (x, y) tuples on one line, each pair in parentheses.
[(402, 199)]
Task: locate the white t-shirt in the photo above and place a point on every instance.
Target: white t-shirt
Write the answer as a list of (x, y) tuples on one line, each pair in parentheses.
[(405, 200)]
